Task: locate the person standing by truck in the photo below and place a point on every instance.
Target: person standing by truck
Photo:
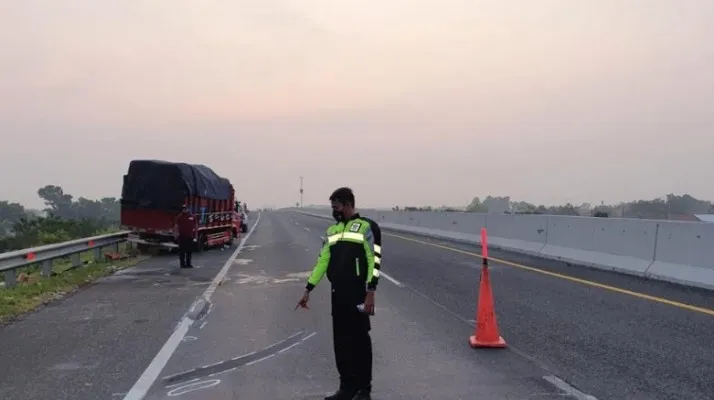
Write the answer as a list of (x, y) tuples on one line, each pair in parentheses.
[(186, 230)]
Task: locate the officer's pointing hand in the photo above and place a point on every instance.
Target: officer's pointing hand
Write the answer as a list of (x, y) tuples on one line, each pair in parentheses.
[(369, 303), (303, 301)]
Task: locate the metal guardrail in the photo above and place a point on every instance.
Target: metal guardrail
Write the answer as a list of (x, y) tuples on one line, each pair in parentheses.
[(11, 261)]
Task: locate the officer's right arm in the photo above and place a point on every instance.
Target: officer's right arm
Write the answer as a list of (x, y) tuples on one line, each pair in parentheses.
[(321, 267)]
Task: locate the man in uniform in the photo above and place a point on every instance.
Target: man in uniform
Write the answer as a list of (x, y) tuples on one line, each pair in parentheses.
[(186, 233), (350, 261)]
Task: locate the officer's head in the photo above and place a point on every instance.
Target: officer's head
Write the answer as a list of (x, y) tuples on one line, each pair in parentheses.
[(343, 203)]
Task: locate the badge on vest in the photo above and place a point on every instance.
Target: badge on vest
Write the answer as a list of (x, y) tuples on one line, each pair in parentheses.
[(355, 227)]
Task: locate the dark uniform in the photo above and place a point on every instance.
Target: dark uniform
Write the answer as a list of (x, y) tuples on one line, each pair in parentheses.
[(350, 257), (186, 225)]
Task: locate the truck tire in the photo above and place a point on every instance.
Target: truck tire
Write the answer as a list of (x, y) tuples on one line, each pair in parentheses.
[(244, 228)]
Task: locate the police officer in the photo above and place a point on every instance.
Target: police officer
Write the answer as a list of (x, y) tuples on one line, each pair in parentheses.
[(349, 257)]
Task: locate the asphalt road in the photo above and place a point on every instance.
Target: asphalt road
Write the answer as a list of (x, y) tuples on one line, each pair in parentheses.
[(94, 343), (610, 335), (128, 334), (252, 344)]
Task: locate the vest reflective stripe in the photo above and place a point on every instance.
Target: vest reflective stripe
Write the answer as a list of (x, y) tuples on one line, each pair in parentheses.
[(346, 236)]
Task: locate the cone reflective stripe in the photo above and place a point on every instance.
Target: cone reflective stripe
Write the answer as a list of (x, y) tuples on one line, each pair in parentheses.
[(486, 333)]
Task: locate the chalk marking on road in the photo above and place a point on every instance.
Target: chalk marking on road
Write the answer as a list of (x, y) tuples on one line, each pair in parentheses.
[(151, 373), (308, 336), (567, 388), (192, 387), (180, 384), (643, 296), (223, 372), (240, 361), (189, 338), (203, 325), (260, 359)]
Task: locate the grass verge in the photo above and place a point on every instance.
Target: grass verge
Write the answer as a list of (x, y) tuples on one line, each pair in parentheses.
[(38, 290)]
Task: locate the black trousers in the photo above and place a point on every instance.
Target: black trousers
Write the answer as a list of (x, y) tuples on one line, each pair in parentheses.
[(185, 246), (352, 344)]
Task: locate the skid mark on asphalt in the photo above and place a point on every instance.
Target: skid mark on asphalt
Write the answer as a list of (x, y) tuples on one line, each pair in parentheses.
[(237, 362)]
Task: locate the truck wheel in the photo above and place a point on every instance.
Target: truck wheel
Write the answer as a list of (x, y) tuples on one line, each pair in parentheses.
[(234, 235), (244, 228)]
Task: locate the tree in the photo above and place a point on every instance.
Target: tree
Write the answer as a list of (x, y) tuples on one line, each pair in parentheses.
[(10, 213), (476, 206), (58, 203)]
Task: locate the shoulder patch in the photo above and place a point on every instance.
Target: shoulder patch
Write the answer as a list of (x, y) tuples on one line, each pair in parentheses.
[(355, 227)]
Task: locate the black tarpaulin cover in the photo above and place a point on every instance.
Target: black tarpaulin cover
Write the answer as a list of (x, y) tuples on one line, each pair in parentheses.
[(163, 185)]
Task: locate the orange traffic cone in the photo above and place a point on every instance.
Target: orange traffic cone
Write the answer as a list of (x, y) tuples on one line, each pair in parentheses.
[(486, 332)]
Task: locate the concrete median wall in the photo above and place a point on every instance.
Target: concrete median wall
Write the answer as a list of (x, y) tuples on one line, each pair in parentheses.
[(679, 252)]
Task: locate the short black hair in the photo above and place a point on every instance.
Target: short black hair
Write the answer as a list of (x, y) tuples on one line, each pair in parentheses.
[(344, 196)]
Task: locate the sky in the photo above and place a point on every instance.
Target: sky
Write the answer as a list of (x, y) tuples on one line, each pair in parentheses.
[(409, 102)]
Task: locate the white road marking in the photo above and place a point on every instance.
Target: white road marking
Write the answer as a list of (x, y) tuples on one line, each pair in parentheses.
[(149, 376), (193, 387), (565, 387), (389, 278)]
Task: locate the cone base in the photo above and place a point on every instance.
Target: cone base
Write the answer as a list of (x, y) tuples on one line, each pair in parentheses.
[(495, 344)]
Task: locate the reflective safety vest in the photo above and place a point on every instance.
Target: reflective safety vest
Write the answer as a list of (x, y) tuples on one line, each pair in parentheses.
[(348, 256)]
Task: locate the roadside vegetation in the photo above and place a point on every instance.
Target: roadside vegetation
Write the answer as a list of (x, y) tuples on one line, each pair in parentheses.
[(63, 219)]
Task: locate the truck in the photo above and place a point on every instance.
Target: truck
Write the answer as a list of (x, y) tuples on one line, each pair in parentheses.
[(154, 192)]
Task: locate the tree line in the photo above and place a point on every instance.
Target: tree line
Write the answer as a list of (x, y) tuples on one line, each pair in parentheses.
[(671, 206), (63, 218)]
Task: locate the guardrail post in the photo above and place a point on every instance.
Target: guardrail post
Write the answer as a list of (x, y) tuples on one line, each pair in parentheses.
[(97, 254), (115, 247), (76, 260), (10, 278), (47, 268)]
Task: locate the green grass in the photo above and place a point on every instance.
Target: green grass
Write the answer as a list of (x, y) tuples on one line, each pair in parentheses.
[(34, 290)]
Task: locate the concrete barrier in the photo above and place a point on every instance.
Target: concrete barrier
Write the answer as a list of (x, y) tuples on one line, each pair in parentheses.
[(520, 233), (678, 252), (623, 245), (684, 254)]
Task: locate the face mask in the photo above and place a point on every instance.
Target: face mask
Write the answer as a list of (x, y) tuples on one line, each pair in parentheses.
[(337, 215)]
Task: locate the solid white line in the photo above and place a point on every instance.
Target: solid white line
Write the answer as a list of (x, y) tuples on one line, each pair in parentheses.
[(389, 278), (149, 376)]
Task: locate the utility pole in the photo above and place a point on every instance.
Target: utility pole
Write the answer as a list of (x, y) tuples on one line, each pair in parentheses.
[(301, 191)]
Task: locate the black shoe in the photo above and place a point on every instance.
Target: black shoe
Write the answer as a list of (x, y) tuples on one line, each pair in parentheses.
[(341, 394), (362, 395)]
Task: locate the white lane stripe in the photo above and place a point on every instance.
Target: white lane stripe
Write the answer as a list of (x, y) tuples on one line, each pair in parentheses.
[(389, 278), (149, 376)]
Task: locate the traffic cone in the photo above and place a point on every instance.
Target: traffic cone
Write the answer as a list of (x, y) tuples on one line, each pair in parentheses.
[(486, 331)]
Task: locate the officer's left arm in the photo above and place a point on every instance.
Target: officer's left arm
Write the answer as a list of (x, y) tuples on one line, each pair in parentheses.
[(369, 246), (323, 260)]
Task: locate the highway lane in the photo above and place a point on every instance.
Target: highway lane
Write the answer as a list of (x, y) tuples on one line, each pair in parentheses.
[(609, 344), (252, 344), (92, 344)]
